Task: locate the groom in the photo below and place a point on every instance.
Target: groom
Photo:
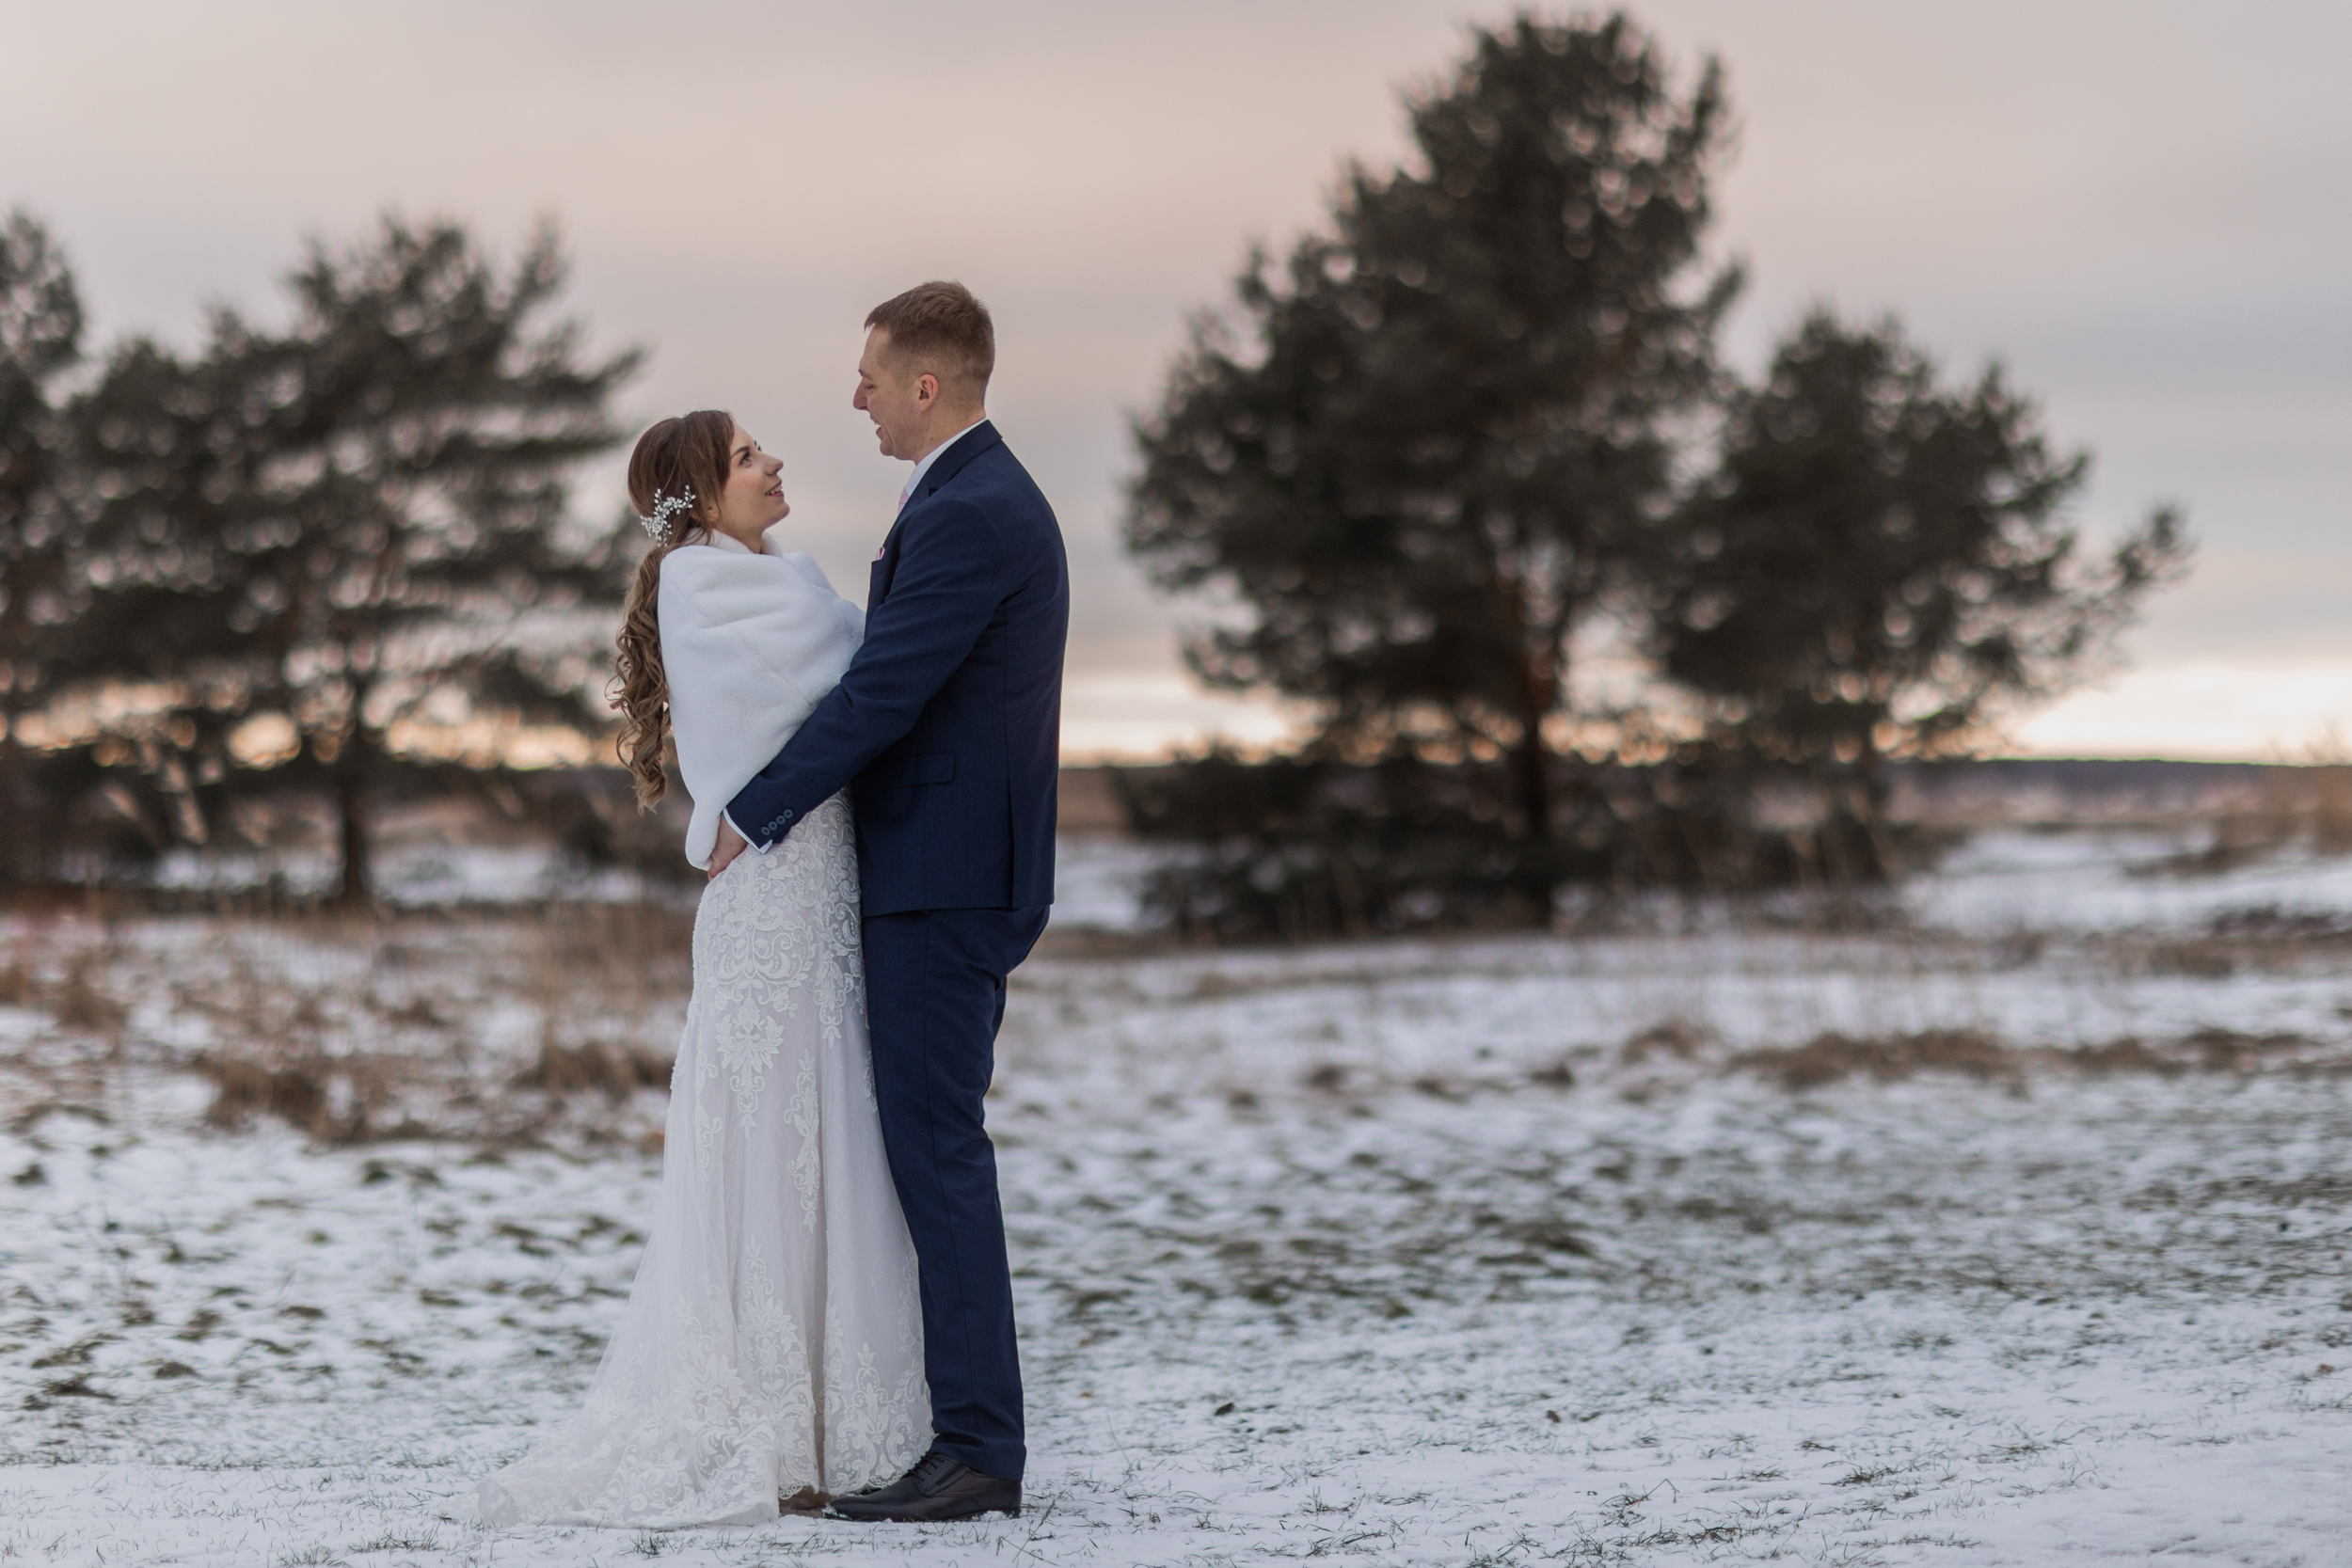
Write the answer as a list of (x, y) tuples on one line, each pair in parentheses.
[(948, 729)]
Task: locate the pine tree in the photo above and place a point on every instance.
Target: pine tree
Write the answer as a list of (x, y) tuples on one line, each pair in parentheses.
[(309, 540), (1435, 439), (1879, 564), (41, 345)]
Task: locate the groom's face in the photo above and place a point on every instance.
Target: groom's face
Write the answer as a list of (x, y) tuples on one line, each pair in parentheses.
[(899, 403)]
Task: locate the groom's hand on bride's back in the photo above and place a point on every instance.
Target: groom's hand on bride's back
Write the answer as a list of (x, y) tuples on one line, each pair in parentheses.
[(729, 845)]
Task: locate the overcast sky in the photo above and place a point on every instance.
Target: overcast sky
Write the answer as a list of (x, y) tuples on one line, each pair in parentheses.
[(2142, 208)]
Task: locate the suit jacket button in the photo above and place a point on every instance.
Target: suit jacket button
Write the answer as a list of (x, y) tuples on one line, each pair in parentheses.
[(785, 817)]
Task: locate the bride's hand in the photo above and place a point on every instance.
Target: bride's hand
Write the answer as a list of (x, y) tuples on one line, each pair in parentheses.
[(729, 845)]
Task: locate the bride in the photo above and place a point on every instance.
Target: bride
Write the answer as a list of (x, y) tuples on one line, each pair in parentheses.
[(772, 1347)]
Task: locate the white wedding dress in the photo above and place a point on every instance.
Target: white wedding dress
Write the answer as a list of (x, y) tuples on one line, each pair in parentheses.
[(772, 1340)]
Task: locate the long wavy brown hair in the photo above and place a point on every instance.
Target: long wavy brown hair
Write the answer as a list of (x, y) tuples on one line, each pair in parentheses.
[(688, 452)]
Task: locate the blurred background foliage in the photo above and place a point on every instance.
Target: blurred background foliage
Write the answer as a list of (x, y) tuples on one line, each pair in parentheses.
[(1479, 425), (1427, 475), (335, 557)]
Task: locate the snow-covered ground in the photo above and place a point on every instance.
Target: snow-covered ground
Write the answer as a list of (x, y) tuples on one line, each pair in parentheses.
[(419, 876), (2110, 881), (2013, 1231)]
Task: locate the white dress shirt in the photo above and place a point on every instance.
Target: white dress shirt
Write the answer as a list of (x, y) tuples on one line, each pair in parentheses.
[(923, 463)]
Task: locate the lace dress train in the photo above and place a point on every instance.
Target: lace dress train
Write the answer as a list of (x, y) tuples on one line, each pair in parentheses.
[(772, 1340)]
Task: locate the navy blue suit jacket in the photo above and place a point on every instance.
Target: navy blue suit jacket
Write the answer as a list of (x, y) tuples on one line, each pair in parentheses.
[(947, 725)]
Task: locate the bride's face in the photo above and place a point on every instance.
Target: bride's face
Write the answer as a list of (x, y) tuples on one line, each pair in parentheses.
[(753, 499)]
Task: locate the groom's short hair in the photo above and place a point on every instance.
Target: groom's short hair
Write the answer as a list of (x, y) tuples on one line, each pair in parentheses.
[(941, 328)]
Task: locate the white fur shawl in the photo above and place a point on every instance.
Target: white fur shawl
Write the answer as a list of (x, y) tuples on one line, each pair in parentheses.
[(750, 643)]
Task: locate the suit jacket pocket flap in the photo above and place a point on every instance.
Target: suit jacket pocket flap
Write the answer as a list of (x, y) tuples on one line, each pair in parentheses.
[(921, 769)]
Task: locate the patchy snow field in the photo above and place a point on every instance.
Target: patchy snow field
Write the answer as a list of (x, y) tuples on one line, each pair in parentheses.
[(2013, 1232)]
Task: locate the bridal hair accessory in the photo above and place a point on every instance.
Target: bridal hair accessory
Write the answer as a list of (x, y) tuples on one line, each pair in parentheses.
[(658, 524)]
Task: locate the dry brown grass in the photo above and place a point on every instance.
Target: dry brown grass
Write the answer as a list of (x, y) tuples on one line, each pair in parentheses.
[(77, 998), (1828, 1057), (2260, 941), (2123, 1055), (1833, 1057), (242, 1089), (2207, 1050), (2298, 805), (334, 1100), (616, 1070), (1676, 1039), (2228, 1051), (500, 1027), (618, 957), (2331, 813)]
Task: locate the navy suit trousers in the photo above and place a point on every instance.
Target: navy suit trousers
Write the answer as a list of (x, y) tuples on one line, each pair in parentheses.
[(934, 999)]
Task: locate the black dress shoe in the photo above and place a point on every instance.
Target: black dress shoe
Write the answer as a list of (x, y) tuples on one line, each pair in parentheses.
[(940, 1487)]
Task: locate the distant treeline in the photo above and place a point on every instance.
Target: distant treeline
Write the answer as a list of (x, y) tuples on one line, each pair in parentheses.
[(1419, 470), (334, 559), (1479, 425)]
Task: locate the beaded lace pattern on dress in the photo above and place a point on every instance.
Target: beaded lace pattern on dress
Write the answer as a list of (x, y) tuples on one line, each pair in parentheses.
[(773, 1339)]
